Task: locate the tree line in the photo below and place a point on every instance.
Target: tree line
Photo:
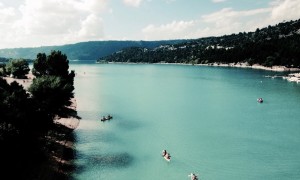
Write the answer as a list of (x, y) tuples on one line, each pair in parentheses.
[(27, 116), (269, 46)]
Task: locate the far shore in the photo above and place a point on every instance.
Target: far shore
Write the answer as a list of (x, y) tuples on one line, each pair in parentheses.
[(244, 65), (237, 65), (291, 77)]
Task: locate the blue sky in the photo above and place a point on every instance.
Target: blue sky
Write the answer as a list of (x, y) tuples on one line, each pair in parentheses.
[(32, 23)]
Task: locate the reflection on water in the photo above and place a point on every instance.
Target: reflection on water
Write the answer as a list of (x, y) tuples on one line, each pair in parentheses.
[(113, 160), (117, 160), (100, 163), (129, 125)]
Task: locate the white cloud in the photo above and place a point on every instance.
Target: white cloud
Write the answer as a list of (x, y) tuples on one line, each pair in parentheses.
[(226, 21), (54, 22), (218, 1), (168, 31), (285, 10), (51, 22), (134, 3), (91, 28), (7, 14), (228, 14), (93, 6)]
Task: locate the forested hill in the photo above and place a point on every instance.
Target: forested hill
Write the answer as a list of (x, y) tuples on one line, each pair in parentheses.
[(84, 51), (272, 45)]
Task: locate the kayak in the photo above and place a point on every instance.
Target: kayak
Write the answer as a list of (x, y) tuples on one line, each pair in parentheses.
[(193, 176), (167, 158)]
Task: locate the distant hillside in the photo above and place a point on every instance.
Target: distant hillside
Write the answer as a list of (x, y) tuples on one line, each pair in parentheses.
[(84, 50), (273, 45)]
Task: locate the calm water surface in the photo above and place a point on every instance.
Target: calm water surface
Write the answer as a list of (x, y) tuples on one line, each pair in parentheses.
[(206, 117)]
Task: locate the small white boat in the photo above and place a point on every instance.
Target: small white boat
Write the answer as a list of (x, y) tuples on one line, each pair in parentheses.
[(109, 117), (166, 155), (164, 152), (193, 176), (260, 100), (167, 158)]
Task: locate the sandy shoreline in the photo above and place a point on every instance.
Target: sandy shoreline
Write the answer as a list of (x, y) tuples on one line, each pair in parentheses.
[(243, 65), (24, 82), (236, 65), (291, 77), (71, 122), (257, 66)]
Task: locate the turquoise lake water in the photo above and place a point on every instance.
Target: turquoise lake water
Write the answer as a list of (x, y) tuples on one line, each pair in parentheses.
[(206, 117)]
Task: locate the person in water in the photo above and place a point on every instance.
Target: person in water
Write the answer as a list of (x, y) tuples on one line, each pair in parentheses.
[(260, 100), (164, 152), (168, 156), (193, 176)]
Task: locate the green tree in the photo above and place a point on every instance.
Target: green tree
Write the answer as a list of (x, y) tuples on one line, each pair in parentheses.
[(51, 94), (17, 103), (52, 89), (18, 68), (4, 86), (55, 64), (2, 69), (14, 105), (269, 61), (40, 65), (27, 119)]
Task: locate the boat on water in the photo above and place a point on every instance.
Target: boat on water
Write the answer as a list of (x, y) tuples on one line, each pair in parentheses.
[(260, 100), (193, 176), (166, 155), (164, 152), (108, 117)]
